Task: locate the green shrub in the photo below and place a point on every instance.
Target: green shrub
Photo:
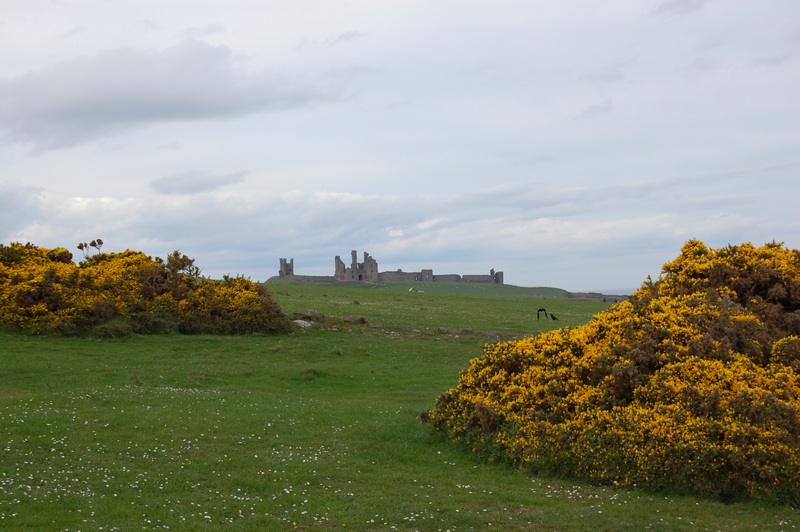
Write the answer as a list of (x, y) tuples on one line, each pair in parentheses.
[(115, 328)]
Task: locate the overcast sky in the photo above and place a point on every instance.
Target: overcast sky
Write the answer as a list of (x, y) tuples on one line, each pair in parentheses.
[(574, 144)]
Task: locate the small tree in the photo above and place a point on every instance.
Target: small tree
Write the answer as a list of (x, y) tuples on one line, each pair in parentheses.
[(84, 247)]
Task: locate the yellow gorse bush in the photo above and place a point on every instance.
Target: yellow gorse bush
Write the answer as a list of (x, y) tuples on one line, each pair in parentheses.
[(691, 386), (44, 291)]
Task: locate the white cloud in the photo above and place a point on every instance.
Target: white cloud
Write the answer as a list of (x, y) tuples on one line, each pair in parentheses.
[(241, 232), (194, 182), (92, 96)]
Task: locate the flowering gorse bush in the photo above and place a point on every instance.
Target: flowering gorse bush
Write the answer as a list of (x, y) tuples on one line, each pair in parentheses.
[(113, 294), (691, 386)]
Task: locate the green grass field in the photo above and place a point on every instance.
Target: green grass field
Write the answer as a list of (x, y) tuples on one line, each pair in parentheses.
[(317, 430)]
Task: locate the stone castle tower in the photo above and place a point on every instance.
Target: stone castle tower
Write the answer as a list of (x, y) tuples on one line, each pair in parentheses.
[(287, 267), (358, 271)]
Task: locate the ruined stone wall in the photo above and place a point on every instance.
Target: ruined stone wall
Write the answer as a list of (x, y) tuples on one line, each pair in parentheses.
[(400, 275), (478, 278), (369, 269), (448, 278), (493, 277), (341, 272)]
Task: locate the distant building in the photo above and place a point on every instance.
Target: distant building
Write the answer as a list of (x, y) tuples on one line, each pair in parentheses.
[(287, 267), (368, 271)]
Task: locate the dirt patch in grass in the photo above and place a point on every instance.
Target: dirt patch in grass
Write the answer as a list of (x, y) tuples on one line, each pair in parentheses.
[(6, 392)]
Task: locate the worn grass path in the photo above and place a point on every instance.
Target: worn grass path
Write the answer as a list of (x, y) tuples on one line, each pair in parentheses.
[(314, 431)]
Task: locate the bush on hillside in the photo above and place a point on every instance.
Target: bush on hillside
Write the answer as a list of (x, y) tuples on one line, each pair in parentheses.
[(691, 386), (42, 291)]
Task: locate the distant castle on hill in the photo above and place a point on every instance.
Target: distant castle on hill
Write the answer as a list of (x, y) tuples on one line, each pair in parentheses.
[(368, 271)]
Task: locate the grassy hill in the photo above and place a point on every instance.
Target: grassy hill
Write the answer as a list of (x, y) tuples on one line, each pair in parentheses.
[(505, 290), (317, 430), (453, 306)]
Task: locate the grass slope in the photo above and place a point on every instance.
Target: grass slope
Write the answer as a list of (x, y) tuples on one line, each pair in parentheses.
[(505, 290), (397, 308), (313, 431)]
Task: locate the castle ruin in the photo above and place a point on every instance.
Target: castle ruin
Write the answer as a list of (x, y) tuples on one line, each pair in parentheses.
[(287, 267), (368, 271)]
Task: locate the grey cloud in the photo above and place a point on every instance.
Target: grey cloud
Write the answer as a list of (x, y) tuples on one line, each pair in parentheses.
[(344, 37), (691, 194), (702, 65), (72, 32), (774, 60), (598, 109), (85, 98), (609, 75), (523, 158), (19, 205), (209, 29), (285, 220), (678, 7), (350, 72), (531, 198), (709, 43), (533, 160), (194, 182), (148, 25), (612, 73), (306, 44)]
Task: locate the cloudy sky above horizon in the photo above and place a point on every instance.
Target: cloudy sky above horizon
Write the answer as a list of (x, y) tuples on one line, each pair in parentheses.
[(575, 144)]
